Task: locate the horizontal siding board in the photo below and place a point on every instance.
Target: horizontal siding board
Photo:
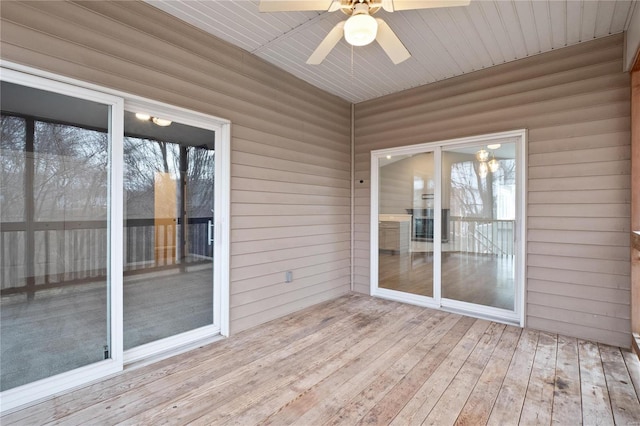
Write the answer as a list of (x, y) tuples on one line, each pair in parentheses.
[(580, 210), (264, 150), (265, 281), (580, 304), (303, 243), (245, 209), (594, 237), (336, 276), (242, 222), (589, 278), (255, 160), (617, 338), (584, 129), (258, 197), (604, 196), (580, 250), (259, 270), (580, 223), (599, 322), (602, 168), (258, 234), (582, 183), (260, 173), (594, 293), (594, 141), (249, 184), (291, 254), (613, 267), (579, 156)]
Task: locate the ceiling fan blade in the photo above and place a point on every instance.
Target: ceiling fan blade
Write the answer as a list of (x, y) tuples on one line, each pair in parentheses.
[(327, 44), (390, 43), (293, 5), (421, 4)]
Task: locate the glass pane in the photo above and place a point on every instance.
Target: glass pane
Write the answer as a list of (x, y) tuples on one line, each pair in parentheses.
[(479, 189), (405, 223), (168, 286), (54, 157)]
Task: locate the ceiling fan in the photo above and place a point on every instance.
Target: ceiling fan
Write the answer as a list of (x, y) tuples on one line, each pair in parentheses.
[(361, 28)]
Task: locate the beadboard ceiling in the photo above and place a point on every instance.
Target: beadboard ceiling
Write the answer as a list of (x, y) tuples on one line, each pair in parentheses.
[(443, 42)]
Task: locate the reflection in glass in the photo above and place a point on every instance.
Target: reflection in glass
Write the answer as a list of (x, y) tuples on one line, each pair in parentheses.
[(54, 158), (478, 261), (168, 286), (405, 224)]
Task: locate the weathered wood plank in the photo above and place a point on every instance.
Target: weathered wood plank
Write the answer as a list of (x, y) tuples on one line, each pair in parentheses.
[(450, 404), (511, 397), (538, 401), (419, 407), (567, 402), (479, 404), (624, 400), (596, 406)]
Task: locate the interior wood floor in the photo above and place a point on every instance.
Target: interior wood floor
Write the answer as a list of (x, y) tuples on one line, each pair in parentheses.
[(481, 279), (362, 360)]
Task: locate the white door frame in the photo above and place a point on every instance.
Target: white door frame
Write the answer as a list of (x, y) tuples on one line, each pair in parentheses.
[(220, 324), (517, 316), (11, 399)]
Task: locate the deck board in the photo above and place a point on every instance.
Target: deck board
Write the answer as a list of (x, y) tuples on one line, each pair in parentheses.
[(362, 360)]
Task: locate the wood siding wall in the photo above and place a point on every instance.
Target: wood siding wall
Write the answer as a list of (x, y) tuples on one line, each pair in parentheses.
[(290, 141), (575, 104)]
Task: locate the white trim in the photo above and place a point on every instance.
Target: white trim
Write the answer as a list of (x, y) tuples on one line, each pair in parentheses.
[(437, 226), (517, 316), (374, 224), (46, 388), (412, 299), (223, 222), (160, 346), (116, 231), (521, 216), (222, 188)]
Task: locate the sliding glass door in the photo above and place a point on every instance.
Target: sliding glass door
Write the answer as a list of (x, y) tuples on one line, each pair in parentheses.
[(58, 236), (111, 223), (169, 233), (405, 223), (446, 218), (479, 198)]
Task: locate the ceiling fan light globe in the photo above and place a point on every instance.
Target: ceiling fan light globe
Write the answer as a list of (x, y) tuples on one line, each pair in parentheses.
[(360, 30)]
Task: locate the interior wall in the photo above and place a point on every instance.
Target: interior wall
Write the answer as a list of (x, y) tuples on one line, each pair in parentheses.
[(290, 171), (575, 104)]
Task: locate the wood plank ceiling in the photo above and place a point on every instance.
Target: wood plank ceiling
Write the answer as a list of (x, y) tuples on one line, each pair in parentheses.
[(443, 42)]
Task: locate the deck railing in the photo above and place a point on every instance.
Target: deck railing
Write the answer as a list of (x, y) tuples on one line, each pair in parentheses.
[(482, 236), (74, 252)]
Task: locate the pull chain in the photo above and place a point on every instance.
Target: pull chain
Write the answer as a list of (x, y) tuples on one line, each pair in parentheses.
[(352, 74)]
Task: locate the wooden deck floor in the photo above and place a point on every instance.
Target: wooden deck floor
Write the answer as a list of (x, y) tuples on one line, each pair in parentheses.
[(361, 360)]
